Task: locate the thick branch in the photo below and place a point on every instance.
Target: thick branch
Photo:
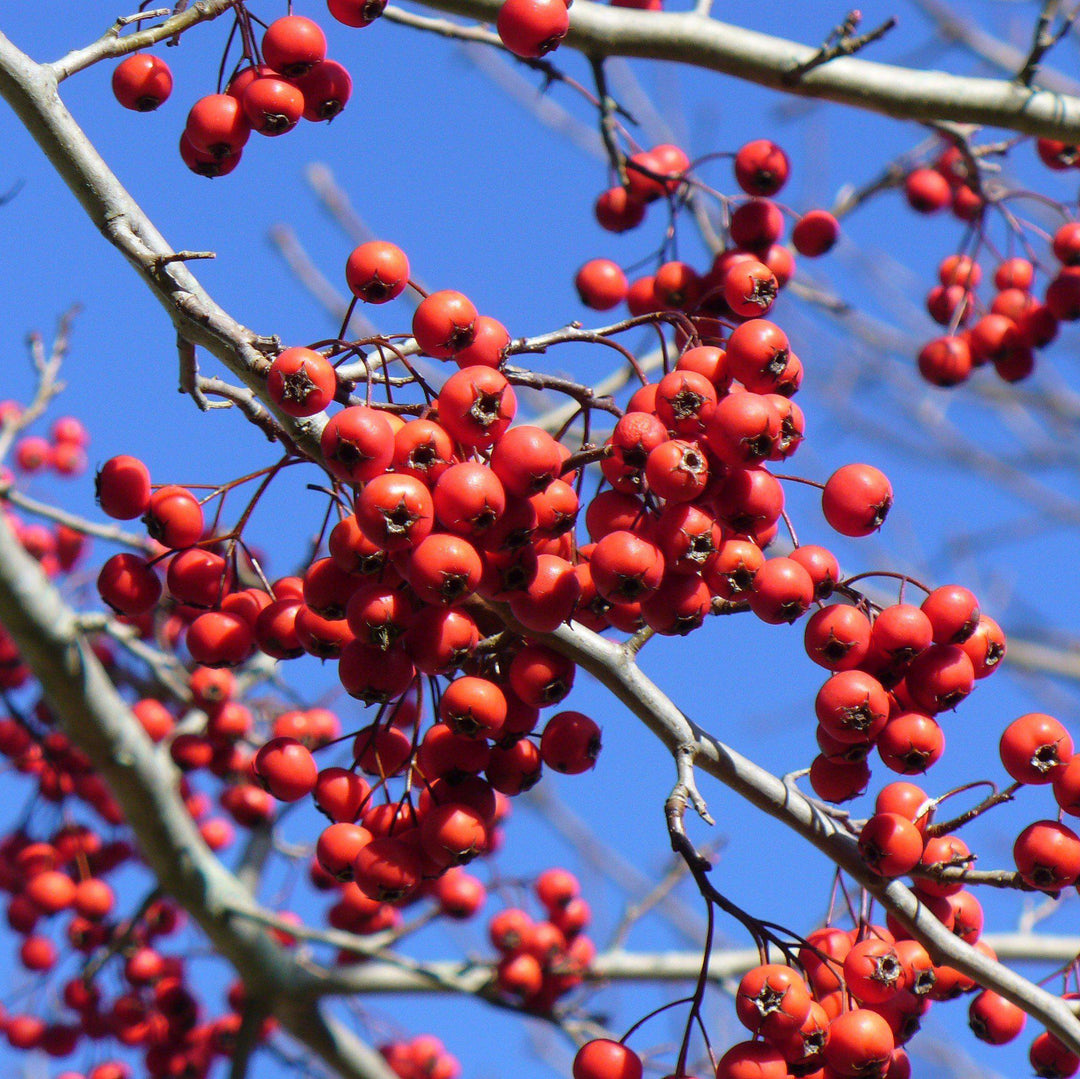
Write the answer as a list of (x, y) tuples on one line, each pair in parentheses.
[(904, 93), (456, 976)]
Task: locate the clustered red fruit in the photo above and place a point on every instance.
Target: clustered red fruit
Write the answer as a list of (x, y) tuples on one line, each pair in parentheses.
[(270, 93), (60, 902), (744, 280), (63, 452), (541, 961), (1006, 332), (455, 552)]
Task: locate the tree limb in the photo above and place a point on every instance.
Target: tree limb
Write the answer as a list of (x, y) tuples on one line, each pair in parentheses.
[(615, 669), (903, 93)]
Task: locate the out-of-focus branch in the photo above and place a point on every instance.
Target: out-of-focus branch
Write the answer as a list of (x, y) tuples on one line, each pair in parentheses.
[(112, 533), (46, 632), (1001, 54), (441, 976), (903, 93)]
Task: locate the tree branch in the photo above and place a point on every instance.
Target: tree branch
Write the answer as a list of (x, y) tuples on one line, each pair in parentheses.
[(111, 45), (615, 669), (903, 93), (32, 91)]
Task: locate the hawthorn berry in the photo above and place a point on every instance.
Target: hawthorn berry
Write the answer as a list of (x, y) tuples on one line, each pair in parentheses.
[(301, 381), (532, 28), (122, 487), (272, 105), (570, 743), (326, 87), (217, 126), (606, 1059), (286, 769), (293, 45), (815, 233), (377, 271), (142, 82), (856, 499), (476, 405), (357, 13), (600, 283)]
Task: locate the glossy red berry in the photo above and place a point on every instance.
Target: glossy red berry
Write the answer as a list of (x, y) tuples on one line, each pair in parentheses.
[(357, 444), (605, 1059), (476, 406), (356, 13), (927, 191), (142, 82), (815, 233), (286, 768), (890, 844), (444, 322), (377, 271), (326, 87), (761, 168), (272, 105), (174, 517), (856, 499), (128, 584), (301, 381), (293, 45), (617, 210), (218, 126), (782, 591), (570, 743), (219, 639), (1034, 747), (1047, 855), (532, 28), (122, 487), (953, 612), (600, 283)]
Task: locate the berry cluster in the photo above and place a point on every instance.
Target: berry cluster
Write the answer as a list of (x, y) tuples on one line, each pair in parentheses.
[(63, 452), (279, 81), (1006, 332), (744, 278), (61, 903), (541, 961), (458, 543)]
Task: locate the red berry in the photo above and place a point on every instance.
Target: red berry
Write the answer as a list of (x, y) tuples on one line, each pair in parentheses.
[(301, 382), (531, 28), (122, 486), (856, 499), (142, 82), (605, 1059), (293, 45)]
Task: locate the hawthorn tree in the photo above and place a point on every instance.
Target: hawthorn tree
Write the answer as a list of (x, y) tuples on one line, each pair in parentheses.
[(380, 618)]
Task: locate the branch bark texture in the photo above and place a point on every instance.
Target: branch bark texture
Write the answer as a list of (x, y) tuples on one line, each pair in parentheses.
[(903, 93)]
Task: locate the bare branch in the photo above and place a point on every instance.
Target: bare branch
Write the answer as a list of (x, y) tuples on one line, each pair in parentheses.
[(903, 93), (111, 45), (31, 90)]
